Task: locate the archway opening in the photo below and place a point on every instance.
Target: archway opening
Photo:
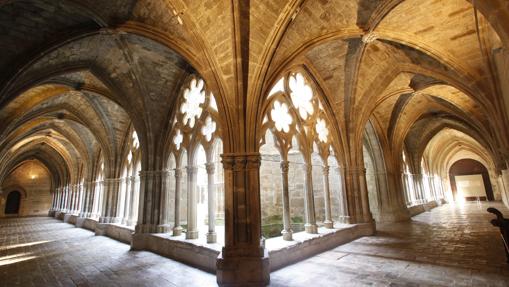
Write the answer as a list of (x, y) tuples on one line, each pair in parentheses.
[(13, 203), (470, 180)]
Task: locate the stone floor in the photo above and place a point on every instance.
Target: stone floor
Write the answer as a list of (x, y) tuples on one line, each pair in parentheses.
[(42, 251), (449, 246)]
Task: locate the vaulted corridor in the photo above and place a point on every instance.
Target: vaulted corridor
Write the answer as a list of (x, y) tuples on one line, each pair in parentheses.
[(239, 137), (452, 245)]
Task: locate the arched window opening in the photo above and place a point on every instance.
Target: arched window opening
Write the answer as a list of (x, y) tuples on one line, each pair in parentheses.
[(408, 183), (195, 177), (98, 201), (428, 192), (295, 153), (271, 189), (129, 184)]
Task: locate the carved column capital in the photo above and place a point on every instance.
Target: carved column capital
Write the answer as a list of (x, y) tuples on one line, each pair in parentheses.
[(111, 181), (191, 170), (211, 167), (284, 164), (152, 173), (178, 172), (356, 171), (241, 161)]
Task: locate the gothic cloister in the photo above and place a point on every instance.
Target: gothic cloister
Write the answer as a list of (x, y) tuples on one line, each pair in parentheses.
[(245, 143)]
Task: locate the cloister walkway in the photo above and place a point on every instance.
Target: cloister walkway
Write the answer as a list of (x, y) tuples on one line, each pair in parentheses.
[(450, 246)]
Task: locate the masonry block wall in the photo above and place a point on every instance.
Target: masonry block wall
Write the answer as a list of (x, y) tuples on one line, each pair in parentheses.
[(32, 180)]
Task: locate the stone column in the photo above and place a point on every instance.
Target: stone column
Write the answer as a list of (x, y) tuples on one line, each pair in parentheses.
[(192, 228), (60, 199), (127, 199), (76, 203), (69, 199), (419, 188), (99, 194), (287, 225), (65, 205), (344, 215), (72, 198), (358, 203), (131, 220), (177, 229), (84, 199), (328, 213), (54, 200), (163, 203), (107, 201), (82, 205), (244, 257), (211, 234), (366, 212), (112, 187), (151, 185), (406, 186), (56, 203), (309, 200)]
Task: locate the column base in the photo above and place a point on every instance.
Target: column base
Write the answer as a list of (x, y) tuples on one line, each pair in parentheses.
[(243, 271), (114, 220), (311, 228), (287, 235), (192, 234), (177, 230), (328, 224), (145, 228), (211, 237), (100, 229), (163, 228)]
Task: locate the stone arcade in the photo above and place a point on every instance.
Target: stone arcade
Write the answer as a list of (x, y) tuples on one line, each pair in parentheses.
[(240, 137)]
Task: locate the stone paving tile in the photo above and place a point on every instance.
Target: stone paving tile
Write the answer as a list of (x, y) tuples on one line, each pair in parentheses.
[(451, 245), (43, 251)]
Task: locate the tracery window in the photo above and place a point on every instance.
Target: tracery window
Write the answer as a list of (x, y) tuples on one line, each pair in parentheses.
[(194, 198), (129, 185), (296, 142)]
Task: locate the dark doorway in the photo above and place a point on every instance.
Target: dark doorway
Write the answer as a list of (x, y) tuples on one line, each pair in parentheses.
[(13, 201), (470, 167)]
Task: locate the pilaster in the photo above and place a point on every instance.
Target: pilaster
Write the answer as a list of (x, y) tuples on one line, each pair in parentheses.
[(244, 260)]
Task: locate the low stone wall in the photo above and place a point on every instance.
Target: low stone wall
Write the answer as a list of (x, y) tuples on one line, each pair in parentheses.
[(115, 231), (204, 256), (309, 245), (70, 218), (59, 215), (420, 208), (86, 223), (192, 253)]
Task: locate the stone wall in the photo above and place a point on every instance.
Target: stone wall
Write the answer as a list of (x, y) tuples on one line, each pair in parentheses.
[(32, 180)]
